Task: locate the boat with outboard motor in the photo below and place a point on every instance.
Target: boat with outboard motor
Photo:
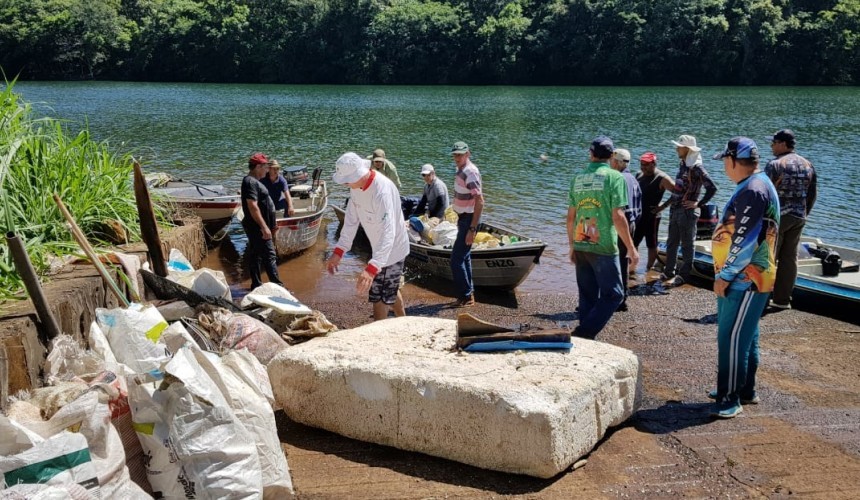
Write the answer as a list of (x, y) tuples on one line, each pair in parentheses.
[(826, 270)]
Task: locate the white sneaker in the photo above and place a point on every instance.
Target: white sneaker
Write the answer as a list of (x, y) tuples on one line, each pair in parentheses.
[(777, 305)]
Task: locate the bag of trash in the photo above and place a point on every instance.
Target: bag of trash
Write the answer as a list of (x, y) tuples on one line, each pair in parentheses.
[(196, 446), (62, 459), (102, 447), (238, 331), (132, 334), (444, 234), (46, 492), (253, 411)]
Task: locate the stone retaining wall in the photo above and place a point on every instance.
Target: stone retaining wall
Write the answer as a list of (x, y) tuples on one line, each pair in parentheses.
[(73, 295)]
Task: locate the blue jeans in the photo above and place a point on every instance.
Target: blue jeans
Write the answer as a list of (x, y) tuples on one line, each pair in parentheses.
[(598, 278), (682, 231), (738, 315), (461, 258)]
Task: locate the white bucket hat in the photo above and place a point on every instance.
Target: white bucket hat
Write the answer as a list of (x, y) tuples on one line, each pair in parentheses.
[(427, 168), (350, 168), (687, 141)]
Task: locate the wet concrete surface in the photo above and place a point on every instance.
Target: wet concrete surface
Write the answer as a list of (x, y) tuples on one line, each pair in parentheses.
[(802, 440)]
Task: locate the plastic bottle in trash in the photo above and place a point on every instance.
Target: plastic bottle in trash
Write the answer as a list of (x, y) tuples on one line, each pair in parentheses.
[(514, 239), (506, 240)]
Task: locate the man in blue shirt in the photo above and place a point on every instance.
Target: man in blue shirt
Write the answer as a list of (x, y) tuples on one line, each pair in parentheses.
[(744, 272), (278, 188)]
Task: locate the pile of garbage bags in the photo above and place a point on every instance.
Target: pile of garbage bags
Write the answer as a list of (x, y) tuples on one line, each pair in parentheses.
[(147, 412)]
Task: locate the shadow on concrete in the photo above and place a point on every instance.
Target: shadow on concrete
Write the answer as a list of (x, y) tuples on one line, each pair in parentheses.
[(409, 463), (672, 416)]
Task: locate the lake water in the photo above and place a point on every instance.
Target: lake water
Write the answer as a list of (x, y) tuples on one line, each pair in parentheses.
[(206, 132)]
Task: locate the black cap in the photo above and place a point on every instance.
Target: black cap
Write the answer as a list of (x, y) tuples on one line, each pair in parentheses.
[(602, 147), (785, 135)]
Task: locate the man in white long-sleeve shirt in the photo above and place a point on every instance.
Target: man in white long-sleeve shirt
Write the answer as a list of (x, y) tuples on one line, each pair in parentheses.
[(374, 203)]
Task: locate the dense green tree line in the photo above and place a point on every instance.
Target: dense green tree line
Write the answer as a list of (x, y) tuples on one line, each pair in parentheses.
[(428, 41)]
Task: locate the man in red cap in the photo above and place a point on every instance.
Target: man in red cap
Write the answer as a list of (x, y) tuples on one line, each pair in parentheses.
[(259, 222), (654, 183)]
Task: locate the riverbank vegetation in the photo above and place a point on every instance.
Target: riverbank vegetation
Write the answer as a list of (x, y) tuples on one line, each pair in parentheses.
[(543, 42), (39, 157)]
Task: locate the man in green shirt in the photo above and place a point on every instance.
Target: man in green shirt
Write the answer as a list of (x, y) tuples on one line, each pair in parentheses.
[(595, 221)]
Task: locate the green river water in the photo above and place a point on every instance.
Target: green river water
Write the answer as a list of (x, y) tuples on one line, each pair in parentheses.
[(206, 132)]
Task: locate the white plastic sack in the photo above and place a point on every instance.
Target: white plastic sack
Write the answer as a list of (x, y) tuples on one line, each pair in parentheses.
[(132, 334), (252, 409), (92, 416), (444, 234), (45, 492), (26, 457), (196, 447)]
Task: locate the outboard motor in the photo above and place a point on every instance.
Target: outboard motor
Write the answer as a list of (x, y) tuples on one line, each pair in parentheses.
[(708, 220)]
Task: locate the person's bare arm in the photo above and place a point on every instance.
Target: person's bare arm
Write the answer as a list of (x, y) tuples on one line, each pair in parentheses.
[(289, 199)]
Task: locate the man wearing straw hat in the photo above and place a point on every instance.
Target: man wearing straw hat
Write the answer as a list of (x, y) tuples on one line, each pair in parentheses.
[(278, 188), (685, 209)]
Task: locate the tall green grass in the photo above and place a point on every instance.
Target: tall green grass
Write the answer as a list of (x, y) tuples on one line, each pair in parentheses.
[(39, 157)]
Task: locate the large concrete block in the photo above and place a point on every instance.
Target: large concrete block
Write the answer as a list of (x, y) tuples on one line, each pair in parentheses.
[(399, 382)]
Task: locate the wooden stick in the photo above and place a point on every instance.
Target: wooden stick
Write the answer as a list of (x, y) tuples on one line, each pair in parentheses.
[(88, 249), (148, 226)]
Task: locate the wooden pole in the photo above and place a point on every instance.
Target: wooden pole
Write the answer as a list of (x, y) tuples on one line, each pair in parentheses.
[(148, 226), (88, 249), (31, 283)]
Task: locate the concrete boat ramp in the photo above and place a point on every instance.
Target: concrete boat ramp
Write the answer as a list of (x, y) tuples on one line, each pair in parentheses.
[(400, 383)]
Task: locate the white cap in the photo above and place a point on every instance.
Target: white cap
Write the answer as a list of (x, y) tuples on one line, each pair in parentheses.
[(426, 169), (350, 168), (621, 154)]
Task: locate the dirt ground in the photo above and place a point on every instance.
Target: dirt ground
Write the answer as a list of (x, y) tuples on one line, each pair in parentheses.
[(802, 440)]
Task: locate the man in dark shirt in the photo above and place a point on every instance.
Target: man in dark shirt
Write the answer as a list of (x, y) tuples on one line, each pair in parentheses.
[(259, 222), (654, 183), (435, 198), (796, 184)]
